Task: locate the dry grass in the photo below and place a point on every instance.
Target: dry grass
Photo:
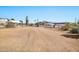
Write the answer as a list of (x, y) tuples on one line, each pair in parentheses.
[(35, 39)]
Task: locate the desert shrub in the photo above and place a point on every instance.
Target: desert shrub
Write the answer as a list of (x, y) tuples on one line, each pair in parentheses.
[(31, 24), (66, 27), (37, 24), (74, 30)]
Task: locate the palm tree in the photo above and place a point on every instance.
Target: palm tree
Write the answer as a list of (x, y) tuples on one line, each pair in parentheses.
[(27, 20)]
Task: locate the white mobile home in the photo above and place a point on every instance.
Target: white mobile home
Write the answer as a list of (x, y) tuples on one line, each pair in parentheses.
[(5, 22)]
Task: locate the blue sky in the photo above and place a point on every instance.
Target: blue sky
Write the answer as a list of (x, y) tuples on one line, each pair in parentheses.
[(43, 13)]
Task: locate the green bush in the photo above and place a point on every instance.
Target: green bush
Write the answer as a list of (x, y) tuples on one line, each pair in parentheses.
[(74, 31)]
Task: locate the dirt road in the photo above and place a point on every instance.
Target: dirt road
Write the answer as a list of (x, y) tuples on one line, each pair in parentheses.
[(36, 39)]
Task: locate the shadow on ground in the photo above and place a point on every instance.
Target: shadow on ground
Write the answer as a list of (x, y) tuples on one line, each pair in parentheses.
[(73, 36)]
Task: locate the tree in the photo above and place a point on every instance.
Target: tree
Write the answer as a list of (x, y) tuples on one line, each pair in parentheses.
[(27, 20), (12, 19)]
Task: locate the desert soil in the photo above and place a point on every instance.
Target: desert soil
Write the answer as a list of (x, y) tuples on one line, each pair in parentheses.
[(36, 39)]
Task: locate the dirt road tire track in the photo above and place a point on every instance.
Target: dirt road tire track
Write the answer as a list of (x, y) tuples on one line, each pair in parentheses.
[(39, 39)]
